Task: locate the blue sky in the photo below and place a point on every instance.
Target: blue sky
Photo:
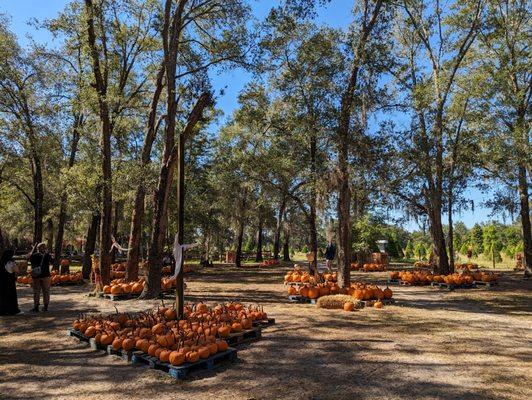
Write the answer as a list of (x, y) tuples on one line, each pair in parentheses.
[(336, 14)]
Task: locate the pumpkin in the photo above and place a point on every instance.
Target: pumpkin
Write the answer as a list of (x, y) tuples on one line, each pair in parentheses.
[(236, 327), (378, 304), (128, 344), (313, 292), (224, 331), (387, 293), (303, 291), (115, 289), (176, 358), (292, 290), (222, 345), (349, 306), (192, 356), (164, 355)]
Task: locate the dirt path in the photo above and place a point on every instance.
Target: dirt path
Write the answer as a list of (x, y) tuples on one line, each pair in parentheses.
[(466, 345)]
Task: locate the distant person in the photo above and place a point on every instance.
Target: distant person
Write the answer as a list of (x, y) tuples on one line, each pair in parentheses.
[(8, 289), (330, 254), (40, 272)]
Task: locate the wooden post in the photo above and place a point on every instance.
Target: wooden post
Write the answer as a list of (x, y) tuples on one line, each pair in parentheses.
[(180, 293)]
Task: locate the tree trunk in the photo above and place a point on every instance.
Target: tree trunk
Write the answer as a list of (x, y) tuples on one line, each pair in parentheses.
[(258, 256), (438, 239), (525, 220), (63, 208), (313, 239), (152, 288), (451, 230), (180, 287), (240, 237), (105, 143), (50, 233), (137, 215), (38, 202), (116, 220), (133, 259), (90, 245), (286, 242), (278, 227)]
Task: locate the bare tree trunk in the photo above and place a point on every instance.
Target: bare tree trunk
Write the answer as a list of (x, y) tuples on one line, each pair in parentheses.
[(438, 238), (286, 242), (240, 234), (63, 208), (38, 202), (258, 256), (451, 229), (90, 245), (278, 227), (105, 143), (525, 220), (137, 215), (50, 234), (116, 220), (313, 239)]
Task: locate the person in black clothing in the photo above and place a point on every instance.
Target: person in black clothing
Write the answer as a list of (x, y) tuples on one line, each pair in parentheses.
[(330, 253), (40, 272), (8, 289)]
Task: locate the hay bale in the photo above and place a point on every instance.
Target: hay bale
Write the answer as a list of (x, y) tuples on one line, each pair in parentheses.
[(336, 301)]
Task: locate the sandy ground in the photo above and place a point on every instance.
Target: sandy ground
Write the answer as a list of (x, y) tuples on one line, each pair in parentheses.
[(470, 344)]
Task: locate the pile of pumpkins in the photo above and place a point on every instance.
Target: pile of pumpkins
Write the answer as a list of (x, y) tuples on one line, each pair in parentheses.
[(269, 263), (458, 279), (466, 266), (118, 270), (55, 278), (374, 267), (299, 276), (358, 290), (368, 267), (422, 264), (120, 286), (158, 333)]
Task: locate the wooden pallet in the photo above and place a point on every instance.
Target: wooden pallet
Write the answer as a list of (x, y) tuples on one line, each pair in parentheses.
[(451, 286), (246, 336), (485, 284), (295, 298), (264, 323), (181, 371)]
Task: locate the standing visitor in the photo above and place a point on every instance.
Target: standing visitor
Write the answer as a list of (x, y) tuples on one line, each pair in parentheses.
[(40, 272), (8, 289), (330, 254)]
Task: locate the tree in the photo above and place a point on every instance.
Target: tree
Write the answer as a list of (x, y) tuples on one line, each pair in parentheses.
[(424, 33), (25, 106), (409, 250), (505, 70)]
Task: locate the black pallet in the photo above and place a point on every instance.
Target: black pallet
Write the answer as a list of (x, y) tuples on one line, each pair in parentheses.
[(264, 323), (451, 286), (123, 354), (122, 296), (246, 336), (181, 371), (77, 334), (295, 298)]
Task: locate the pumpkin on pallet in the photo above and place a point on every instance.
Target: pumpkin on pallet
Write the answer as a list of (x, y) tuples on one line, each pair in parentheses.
[(158, 333)]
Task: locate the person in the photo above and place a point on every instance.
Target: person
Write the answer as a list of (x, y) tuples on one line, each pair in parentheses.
[(8, 289), (40, 272), (330, 253)]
